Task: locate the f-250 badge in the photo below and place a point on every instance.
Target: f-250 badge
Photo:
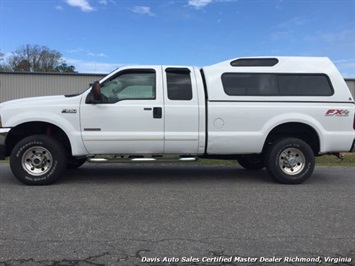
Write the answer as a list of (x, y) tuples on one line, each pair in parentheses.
[(337, 112), (69, 111)]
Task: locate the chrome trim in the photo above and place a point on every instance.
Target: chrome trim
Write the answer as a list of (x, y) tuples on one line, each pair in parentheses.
[(92, 129)]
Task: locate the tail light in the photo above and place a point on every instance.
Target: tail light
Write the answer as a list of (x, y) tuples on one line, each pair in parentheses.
[(354, 122)]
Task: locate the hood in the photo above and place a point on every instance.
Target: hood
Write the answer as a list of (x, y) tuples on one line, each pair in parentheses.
[(33, 100), (49, 101), (38, 107)]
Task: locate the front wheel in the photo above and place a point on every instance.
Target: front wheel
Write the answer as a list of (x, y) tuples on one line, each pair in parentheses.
[(290, 161), (38, 160)]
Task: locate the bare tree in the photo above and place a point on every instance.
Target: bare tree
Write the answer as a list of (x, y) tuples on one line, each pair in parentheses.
[(3, 67), (36, 58), (65, 68)]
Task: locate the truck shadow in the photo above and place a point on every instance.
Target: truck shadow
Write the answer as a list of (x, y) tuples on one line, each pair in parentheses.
[(166, 174), (162, 174)]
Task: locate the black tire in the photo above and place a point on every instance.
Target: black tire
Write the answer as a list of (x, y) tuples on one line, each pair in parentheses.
[(252, 162), (290, 161), (75, 163), (38, 160)]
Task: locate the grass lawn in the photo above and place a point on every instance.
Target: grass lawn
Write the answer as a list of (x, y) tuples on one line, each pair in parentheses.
[(330, 160)]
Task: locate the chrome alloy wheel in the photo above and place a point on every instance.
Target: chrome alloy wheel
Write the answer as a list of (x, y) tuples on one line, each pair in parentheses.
[(292, 161), (37, 161)]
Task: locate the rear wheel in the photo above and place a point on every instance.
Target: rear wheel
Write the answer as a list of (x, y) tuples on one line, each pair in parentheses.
[(38, 160), (290, 161)]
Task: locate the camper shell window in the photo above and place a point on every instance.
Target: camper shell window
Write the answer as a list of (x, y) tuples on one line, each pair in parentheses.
[(260, 84)]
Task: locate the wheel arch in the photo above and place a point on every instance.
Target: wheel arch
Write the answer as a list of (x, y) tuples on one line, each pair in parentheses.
[(26, 129), (298, 130)]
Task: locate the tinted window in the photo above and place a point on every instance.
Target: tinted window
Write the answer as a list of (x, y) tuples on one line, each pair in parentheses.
[(249, 84), (250, 62), (308, 85), (179, 84), (254, 84)]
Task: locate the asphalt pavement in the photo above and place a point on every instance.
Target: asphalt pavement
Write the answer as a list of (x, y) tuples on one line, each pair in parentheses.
[(182, 215)]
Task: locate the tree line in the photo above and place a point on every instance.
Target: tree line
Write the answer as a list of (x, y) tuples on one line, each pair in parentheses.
[(35, 58)]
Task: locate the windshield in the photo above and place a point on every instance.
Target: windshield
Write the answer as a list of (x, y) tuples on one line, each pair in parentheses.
[(90, 85)]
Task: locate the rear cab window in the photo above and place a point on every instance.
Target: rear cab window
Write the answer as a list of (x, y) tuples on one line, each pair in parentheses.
[(179, 84)]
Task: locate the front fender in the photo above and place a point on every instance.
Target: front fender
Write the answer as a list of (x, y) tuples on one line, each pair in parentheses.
[(70, 126)]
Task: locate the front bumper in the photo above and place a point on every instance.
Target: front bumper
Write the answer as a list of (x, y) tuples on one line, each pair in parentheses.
[(3, 135)]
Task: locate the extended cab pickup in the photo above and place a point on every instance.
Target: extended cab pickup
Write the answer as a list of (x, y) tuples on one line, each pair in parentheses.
[(273, 112)]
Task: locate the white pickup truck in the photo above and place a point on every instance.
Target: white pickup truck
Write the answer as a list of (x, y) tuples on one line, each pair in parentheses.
[(273, 112)]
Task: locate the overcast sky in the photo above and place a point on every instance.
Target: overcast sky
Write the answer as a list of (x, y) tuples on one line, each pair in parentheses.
[(97, 36)]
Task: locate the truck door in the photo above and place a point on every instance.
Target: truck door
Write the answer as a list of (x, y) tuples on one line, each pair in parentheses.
[(129, 118), (181, 111)]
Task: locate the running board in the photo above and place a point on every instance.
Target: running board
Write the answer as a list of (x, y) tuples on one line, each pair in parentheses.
[(142, 160)]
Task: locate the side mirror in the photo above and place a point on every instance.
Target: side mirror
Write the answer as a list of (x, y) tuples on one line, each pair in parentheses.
[(95, 94), (96, 91)]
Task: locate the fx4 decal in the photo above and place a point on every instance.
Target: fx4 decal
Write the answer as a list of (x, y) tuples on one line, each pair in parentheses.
[(337, 112)]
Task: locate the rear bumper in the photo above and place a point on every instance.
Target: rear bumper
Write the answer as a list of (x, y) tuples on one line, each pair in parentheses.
[(3, 135)]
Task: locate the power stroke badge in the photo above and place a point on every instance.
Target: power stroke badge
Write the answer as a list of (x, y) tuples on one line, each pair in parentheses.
[(69, 111)]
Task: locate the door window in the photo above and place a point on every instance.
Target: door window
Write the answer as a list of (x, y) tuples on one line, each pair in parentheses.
[(138, 85)]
